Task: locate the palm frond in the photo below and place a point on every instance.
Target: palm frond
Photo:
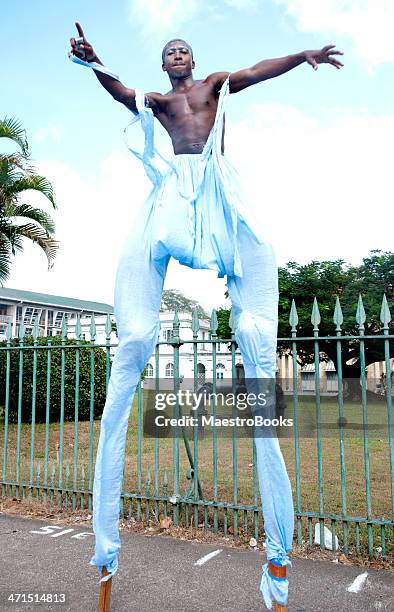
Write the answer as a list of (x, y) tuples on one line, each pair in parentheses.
[(36, 182), (39, 236), (5, 259), (13, 210), (12, 128)]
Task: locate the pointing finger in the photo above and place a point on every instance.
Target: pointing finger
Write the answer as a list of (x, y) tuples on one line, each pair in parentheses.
[(80, 30)]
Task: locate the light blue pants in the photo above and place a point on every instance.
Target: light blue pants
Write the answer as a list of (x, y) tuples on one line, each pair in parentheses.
[(195, 214)]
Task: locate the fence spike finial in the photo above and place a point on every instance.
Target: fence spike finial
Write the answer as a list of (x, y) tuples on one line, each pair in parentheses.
[(21, 330), (9, 331), (78, 330), (231, 322), (36, 329), (214, 322), (338, 316), (64, 327), (108, 327), (293, 318), (195, 322), (176, 319), (385, 314), (360, 313), (92, 328), (315, 317)]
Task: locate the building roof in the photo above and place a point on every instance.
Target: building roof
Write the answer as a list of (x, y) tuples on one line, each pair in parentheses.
[(18, 295), (310, 367)]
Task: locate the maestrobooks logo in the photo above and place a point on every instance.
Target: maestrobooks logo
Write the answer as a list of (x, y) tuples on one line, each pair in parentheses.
[(261, 408)]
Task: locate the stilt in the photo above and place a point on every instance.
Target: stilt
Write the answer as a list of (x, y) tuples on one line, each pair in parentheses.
[(105, 593), (278, 572)]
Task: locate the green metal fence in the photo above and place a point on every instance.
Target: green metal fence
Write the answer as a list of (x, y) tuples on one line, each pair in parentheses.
[(341, 481)]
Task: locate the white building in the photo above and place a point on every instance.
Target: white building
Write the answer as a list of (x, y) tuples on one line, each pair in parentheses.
[(186, 352), (18, 306)]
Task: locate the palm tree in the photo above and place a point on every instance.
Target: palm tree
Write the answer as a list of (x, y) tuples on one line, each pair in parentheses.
[(19, 220)]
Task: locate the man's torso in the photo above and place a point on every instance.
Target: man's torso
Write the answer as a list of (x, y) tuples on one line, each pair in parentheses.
[(188, 115)]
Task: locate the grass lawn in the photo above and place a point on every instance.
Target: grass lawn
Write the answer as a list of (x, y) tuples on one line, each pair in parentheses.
[(354, 450)]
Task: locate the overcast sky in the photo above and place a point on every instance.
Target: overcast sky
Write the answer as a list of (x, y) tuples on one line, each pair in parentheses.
[(314, 149)]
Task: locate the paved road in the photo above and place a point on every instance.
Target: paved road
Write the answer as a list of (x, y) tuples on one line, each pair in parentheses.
[(158, 573)]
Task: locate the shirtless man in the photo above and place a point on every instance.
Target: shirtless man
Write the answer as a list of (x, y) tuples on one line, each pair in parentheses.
[(195, 214), (188, 111)]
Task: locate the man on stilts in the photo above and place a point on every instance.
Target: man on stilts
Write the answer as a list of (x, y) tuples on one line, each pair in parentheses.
[(196, 214)]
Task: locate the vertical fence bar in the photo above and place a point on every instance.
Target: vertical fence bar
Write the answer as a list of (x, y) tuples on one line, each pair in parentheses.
[(62, 386), (165, 493), (67, 484), (52, 483), (214, 327), (91, 409), (293, 320), (38, 479), (195, 330), (255, 492), (147, 492), (47, 414), (33, 406), (234, 433), (360, 318), (315, 320), (108, 331), (6, 406), (175, 340), (139, 449), (20, 394), (156, 450), (385, 317), (338, 320), (82, 487), (76, 409)]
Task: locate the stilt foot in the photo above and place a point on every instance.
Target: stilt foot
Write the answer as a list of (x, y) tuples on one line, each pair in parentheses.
[(105, 593)]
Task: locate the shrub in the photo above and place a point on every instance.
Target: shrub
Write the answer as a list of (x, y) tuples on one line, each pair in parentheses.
[(55, 380)]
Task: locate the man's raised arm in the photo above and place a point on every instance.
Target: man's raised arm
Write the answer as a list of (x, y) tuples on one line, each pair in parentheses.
[(267, 69), (117, 90)]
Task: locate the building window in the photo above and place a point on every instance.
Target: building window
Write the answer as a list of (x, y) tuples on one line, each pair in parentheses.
[(149, 370), (169, 372), (219, 371), (201, 373), (168, 334)]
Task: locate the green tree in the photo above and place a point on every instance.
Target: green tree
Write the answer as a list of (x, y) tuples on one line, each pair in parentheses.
[(326, 280), (18, 219), (173, 299)]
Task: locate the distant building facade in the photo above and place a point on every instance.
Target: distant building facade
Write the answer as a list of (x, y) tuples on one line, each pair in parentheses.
[(18, 306)]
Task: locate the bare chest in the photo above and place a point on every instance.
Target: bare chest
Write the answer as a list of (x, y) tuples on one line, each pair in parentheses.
[(194, 102)]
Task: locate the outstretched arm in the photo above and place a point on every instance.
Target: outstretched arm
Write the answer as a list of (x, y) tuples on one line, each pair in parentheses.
[(117, 90), (267, 69)]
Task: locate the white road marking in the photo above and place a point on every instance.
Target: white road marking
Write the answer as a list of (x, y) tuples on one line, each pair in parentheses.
[(358, 583), (50, 530), (208, 557), (82, 535), (59, 533), (46, 530)]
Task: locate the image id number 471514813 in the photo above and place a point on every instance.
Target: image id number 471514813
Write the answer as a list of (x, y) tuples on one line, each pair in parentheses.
[(10, 599)]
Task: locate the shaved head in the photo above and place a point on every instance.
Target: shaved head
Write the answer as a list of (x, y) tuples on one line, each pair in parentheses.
[(173, 40)]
